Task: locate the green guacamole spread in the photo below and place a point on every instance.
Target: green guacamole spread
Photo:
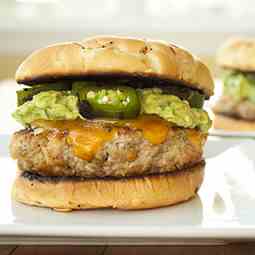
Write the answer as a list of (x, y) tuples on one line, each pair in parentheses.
[(64, 105), (240, 86), (50, 105), (174, 109)]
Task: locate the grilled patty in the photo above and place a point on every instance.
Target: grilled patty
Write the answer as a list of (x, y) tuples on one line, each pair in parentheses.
[(128, 153), (243, 110)]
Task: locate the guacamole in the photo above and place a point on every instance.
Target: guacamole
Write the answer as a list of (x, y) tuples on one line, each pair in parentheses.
[(240, 86), (50, 105), (64, 105), (174, 109)]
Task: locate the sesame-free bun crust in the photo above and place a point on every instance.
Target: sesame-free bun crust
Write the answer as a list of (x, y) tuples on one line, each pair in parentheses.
[(238, 54), (115, 56), (232, 124), (127, 193)]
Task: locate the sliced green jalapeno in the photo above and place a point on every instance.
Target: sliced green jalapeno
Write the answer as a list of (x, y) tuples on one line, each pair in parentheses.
[(108, 101)]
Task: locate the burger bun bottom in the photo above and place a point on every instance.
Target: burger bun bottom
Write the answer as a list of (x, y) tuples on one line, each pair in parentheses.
[(67, 194)]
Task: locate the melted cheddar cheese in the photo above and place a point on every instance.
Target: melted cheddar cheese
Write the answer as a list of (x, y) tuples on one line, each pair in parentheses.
[(87, 141), (86, 137), (154, 129)]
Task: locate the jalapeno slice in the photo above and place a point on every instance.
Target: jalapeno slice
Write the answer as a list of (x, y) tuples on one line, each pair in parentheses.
[(117, 101)]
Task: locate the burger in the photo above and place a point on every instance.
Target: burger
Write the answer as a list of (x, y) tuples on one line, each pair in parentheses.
[(110, 122), (235, 110)]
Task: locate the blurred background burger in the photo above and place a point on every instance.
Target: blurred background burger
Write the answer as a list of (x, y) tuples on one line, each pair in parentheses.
[(235, 110)]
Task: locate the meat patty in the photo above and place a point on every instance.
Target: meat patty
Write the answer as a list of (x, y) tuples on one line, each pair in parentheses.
[(227, 106), (128, 153)]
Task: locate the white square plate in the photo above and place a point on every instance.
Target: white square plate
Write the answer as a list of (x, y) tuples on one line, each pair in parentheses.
[(224, 209)]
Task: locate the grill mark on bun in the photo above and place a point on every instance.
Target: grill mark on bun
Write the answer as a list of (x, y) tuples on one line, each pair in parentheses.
[(115, 55)]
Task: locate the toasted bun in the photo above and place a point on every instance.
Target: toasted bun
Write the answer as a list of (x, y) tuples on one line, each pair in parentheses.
[(232, 124), (115, 56), (238, 53), (127, 193)]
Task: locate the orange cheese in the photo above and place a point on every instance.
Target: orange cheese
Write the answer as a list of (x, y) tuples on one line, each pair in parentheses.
[(154, 129), (86, 137), (87, 141)]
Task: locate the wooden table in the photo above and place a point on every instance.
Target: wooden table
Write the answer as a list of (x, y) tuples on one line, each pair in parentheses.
[(231, 249)]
